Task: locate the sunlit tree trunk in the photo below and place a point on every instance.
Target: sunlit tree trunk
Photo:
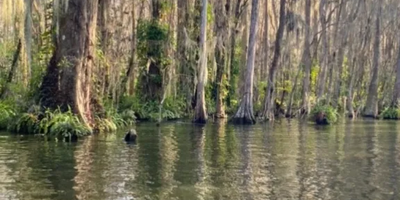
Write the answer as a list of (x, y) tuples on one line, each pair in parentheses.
[(200, 110), (68, 82), (245, 113)]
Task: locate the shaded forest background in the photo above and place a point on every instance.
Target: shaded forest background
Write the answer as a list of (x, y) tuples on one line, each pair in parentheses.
[(68, 65)]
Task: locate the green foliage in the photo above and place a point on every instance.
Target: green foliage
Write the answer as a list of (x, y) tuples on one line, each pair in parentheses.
[(106, 125), (149, 110), (327, 111), (7, 114), (151, 35), (51, 123), (232, 101), (390, 113), (27, 123), (314, 74), (57, 123)]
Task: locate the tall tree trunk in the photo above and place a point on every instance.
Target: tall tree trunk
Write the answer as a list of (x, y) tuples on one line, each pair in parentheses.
[(396, 91), (266, 42), (28, 35), (371, 106), (306, 60), (105, 43), (325, 51), (200, 110), (184, 78), (245, 113), (268, 110), (67, 82), (230, 75), (130, 73), (341, 38), (244, 48), (222, 33), (11, 73)]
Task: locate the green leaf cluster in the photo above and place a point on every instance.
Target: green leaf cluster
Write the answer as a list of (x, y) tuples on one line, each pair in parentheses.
[(390, 113), (328, 111)]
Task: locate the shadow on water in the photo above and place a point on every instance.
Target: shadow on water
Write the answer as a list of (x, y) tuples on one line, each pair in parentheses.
[(284, 160)]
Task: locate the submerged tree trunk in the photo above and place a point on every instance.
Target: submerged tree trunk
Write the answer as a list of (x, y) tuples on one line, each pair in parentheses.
[(371, 106), (67, 82), (268, 110), (245, 113), (200, 110)]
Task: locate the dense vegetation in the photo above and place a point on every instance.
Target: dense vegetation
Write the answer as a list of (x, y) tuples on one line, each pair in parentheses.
[(76, 67)]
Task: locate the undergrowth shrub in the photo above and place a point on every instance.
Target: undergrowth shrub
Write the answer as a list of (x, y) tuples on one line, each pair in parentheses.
[(57, 123), (149, 110), (27, 123), (51, 123), (7, 113), (322, 112), (390, 113)]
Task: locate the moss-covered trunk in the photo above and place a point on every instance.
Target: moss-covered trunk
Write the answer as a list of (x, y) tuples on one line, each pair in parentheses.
[(222, 10)]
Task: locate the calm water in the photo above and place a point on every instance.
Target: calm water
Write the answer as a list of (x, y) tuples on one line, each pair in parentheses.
[(356, 160)]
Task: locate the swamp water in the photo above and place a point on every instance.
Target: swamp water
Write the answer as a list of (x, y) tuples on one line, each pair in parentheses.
[(354, 160)]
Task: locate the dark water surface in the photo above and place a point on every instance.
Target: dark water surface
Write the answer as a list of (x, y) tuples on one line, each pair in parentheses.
[(354, 160)]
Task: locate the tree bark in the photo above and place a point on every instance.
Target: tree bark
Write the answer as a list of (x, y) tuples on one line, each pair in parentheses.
[(341, 38), (245, 113), (13, 68), (266, 42), (325, 51), (222, 34), (130, 73), (28, 35), (200, 110), (67, 82), (234, 32), (371, 106), (396, 91), (306, 60), (268, 110)]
